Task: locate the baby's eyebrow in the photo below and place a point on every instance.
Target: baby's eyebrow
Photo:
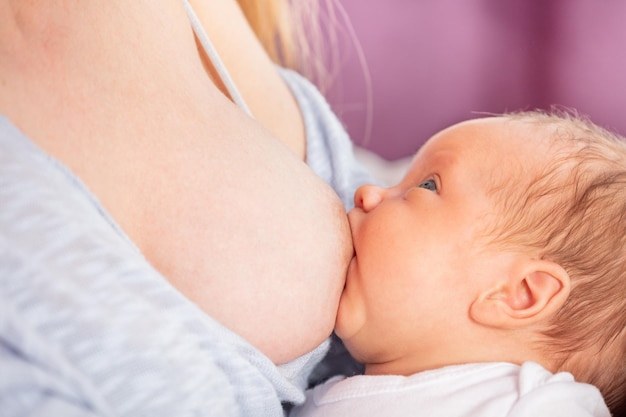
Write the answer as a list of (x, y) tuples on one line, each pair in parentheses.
[(442, 159)]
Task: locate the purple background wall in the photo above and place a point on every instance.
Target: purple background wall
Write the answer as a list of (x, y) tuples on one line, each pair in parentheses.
[(436, 62)]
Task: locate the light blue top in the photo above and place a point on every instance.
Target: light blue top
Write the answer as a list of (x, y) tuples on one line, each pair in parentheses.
[(88, 327)]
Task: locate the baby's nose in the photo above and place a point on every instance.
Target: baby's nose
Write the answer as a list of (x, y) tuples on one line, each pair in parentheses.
[(368, 197)]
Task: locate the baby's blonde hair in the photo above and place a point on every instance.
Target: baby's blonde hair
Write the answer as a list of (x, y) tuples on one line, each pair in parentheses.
[(573, 212)]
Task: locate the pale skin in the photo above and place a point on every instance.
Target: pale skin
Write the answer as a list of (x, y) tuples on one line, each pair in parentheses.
[(425, 288), (221, 204)]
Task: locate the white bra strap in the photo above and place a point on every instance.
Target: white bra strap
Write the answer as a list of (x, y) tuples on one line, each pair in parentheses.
[(217, 62)]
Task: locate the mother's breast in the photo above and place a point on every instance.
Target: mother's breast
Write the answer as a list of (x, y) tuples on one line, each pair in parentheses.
[(223, 209), (251, 235)]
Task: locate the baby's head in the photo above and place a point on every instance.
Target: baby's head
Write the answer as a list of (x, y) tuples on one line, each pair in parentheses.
[(573, 212), (505, 241)]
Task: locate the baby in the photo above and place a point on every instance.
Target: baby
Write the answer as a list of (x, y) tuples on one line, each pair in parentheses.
[(489, 278)]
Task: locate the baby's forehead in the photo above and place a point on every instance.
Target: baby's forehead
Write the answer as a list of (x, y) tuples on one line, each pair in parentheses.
[(500, 150), (490, 139)]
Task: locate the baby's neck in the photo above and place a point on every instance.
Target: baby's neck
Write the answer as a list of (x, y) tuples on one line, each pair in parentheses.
[(497, 348)]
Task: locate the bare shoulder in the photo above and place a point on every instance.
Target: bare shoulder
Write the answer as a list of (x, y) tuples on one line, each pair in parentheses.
[(254, 73)]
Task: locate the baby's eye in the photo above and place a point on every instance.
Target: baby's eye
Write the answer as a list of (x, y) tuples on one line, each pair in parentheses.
[(429, 185)]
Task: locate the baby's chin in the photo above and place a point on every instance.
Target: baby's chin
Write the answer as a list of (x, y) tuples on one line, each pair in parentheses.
[(350, 316)]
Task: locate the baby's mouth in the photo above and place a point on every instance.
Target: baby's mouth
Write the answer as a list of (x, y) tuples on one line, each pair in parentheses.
[(350, 221), (345, 281)]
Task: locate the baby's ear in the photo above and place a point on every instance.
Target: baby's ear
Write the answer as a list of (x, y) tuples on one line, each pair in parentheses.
[(533, 291)]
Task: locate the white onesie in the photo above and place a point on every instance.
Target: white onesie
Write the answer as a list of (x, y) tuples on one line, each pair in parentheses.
[(485, 389)]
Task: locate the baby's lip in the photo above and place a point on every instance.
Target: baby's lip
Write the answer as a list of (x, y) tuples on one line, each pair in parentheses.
[(355, 218), (351, 220), (350, 266)]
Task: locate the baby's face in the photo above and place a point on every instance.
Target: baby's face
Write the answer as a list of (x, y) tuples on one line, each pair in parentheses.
[(420, 252)]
